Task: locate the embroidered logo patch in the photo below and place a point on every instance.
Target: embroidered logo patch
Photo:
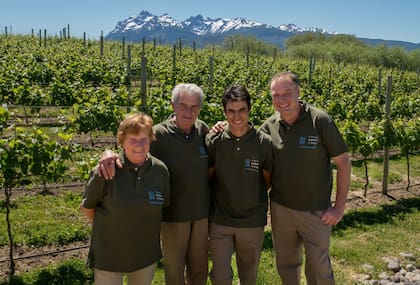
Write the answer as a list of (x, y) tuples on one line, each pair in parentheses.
[(156, 197), (308, 142), (252, 164)]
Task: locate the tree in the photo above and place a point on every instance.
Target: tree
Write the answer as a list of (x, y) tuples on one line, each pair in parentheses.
[(408, 137), (363, 142), (14, 165), (23, 156)]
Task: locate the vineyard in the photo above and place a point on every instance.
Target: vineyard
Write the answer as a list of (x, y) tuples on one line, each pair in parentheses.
[(62, 100)]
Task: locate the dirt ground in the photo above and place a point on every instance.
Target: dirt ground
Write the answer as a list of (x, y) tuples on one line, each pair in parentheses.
[(356, 200), (374, 197)]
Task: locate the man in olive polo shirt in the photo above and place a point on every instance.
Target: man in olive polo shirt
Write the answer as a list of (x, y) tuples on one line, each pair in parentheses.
[(305, 140), (240, 161), (180, 145)]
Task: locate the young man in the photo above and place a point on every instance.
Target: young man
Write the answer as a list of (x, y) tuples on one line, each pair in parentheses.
[(305, 140), (240, 161)]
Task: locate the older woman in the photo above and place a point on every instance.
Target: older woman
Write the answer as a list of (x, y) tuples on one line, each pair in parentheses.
[(127, 210)]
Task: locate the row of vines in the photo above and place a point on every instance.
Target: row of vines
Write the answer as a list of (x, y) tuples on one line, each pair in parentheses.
[(93, 85), (53, 93)]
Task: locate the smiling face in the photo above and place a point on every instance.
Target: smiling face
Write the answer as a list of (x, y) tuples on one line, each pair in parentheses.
[(137, 146), (285, 95), (135, 134), (186, 109), (237, 115)]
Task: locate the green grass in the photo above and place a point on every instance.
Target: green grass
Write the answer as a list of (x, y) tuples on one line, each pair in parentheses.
[(364, 236), (39, 220), (69, 272), (368, 235)]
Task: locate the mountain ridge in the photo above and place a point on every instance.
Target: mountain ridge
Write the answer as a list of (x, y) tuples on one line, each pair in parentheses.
[(203, 31)]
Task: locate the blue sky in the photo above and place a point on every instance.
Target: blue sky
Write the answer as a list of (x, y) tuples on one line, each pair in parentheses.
[(384, 19)]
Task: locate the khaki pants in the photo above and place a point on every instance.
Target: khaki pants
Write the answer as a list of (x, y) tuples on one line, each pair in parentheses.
[(247, 242), (142, 276), (294, 230), (185, 252)]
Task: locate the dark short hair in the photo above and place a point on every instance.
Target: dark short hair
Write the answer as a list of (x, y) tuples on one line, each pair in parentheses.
[(236, 93)]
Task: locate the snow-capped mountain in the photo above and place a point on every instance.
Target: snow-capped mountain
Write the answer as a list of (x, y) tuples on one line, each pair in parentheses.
[(201, 26), (198, 25), (204, 31), (145, 21), (295, 29), (199, 29)]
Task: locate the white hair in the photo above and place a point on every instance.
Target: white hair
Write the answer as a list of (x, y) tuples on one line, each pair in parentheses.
[(189, 88)]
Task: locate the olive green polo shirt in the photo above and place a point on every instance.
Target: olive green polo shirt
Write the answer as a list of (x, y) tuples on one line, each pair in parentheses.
[(128, 213), (239, 192), (185, 155), (302, 173)]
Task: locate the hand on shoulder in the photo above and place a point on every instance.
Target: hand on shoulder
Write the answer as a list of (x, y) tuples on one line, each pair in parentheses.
[(106, 165)]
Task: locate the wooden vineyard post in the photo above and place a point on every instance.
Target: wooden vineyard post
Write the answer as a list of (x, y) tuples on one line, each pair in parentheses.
[(274, 55), (329, 82), (128, 81), (128, 61), (102, 43), (123, 47), (143, 83), (311, 68), (45, 37), (380, 82), (386, 133), (143, 46), (173, 65), (247, 56), (211, 63)]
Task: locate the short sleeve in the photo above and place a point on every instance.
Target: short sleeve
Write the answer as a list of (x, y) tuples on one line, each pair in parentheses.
[(94, 190)]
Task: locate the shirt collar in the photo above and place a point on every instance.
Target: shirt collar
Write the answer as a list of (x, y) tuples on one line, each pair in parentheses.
[(228, 134), (127, 164), (173, 128), (302, 114)]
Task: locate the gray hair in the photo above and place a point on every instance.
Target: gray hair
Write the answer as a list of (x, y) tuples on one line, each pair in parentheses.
[(189, 88)]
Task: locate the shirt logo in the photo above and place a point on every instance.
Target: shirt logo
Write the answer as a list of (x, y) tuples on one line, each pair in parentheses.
[(203, 152), (252, 164), (308, 142), (156, 198)]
